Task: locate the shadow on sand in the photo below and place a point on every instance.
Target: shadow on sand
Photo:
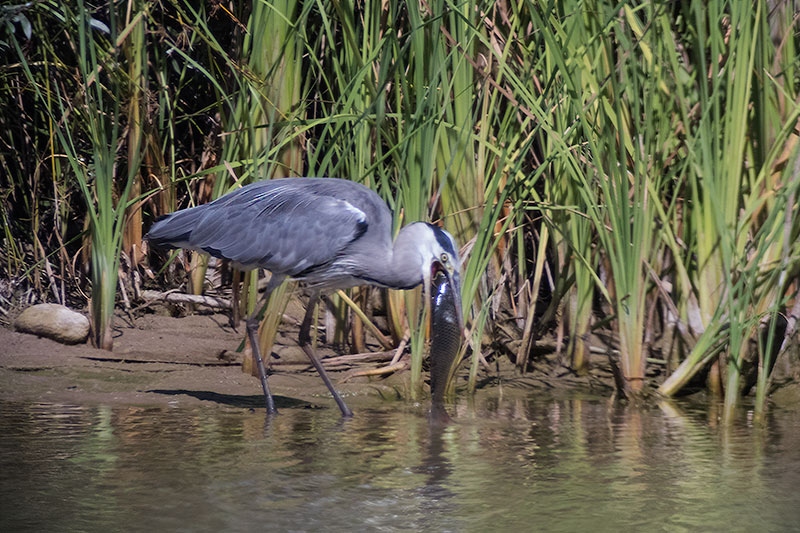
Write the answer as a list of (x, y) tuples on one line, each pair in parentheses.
[(255, 401)]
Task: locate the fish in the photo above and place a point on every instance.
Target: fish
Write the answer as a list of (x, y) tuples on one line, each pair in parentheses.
[(445, 336)]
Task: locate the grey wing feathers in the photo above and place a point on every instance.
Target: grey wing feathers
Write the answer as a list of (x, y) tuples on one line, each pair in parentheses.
[(286, 226)]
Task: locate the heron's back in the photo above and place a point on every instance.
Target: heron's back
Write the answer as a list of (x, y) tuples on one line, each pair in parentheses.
[(300, 227)]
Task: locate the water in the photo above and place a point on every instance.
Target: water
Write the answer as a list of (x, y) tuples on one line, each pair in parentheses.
[(524, 463)]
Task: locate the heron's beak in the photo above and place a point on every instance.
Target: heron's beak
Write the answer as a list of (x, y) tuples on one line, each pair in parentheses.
[(454, 279)]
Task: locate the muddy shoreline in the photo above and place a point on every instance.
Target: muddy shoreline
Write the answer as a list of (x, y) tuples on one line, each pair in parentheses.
[(191, 361), (159, 360)]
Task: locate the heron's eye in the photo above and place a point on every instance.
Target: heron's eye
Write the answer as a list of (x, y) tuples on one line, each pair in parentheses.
[(444, 257)]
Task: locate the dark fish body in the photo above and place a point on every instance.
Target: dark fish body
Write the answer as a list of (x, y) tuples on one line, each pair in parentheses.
[(445, 335)]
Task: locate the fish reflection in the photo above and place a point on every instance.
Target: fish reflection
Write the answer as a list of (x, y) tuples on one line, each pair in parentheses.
[(437, 468)]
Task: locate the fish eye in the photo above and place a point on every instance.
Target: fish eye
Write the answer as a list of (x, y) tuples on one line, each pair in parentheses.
[(445, 258)]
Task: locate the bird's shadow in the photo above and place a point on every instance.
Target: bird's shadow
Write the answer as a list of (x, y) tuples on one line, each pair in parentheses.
[(254, 401)]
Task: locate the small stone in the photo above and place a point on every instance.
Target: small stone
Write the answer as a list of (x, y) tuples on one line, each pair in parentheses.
[(54, 322)]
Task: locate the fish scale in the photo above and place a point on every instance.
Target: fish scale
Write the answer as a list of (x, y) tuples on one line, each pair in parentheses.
[(445, 335)]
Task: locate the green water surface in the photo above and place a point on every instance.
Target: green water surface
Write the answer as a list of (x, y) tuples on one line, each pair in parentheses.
[(521, 463)]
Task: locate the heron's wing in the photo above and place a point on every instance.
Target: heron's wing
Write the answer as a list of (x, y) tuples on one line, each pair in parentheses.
[(281, 225)]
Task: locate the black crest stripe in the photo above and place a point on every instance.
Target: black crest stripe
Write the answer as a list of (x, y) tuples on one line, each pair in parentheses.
[(443, 240)]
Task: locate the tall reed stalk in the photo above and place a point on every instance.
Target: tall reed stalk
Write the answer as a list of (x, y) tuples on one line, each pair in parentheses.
[(100, 114), (737, 227)]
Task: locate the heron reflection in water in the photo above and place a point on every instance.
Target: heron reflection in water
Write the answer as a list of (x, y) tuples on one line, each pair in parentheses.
[(328, 233)]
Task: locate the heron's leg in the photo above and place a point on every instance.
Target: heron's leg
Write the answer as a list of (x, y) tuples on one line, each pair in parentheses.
[(305, 344), (252, 334)]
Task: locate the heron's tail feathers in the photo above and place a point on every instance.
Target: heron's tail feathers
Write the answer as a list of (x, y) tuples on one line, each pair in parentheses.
[(175, 229)]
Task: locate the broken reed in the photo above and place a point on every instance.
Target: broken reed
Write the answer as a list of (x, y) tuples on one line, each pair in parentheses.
[(631, 161)]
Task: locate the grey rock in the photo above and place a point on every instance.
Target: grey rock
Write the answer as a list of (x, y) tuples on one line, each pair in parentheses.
[(54, 322)]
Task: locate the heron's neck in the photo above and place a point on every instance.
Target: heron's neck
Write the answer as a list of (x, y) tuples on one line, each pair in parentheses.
[(403, 268)]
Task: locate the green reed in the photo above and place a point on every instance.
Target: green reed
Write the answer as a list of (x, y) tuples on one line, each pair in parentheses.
[(99, 111)]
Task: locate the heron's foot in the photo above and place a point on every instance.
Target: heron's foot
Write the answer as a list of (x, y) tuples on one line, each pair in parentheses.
[(252, 334), (304, 340), (346, 412), (269, 403)]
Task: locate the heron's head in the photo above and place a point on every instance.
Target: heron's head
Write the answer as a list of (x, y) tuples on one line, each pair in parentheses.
[(440, 254)]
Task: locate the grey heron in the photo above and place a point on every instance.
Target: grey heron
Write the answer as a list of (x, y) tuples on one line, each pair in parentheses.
[(328, 233)]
